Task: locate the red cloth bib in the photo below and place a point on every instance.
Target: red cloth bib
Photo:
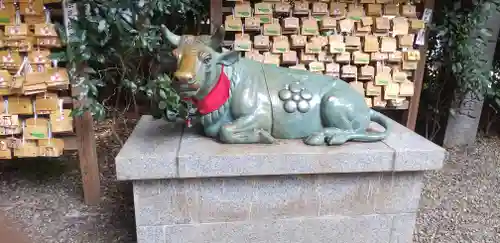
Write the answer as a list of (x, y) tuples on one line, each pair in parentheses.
[(216, 97)]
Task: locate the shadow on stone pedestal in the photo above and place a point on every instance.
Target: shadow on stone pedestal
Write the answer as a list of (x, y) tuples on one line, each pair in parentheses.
[(191, 189)]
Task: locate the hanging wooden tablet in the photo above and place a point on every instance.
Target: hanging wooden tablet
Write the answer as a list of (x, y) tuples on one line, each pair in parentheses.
[(280, 46), (416, 25), (406, 41), (254, 55), (398, 76), (46, 103), (261, 42), (301, 8), (409, 11), (366, 72), (406, 89), (319, 8), (36, 128), (5, 151), (412, 55), (27, 149), (272, 29), (344, 57), (400, 26), (360, 58), (53, 147), (242, 10), (355, 12), (265, 18), (11, 60), (5, 79), (349, 71), (379, 102), (316, 67), (333, 69), (7, 11), (9, 121), (252, 24), (328, 23), (391, 91), (291, 23), (20, 105), (313, 48), (31, 7), (46, 33), (298, 41), (362, 30), (270, 58), (352, 43), (388, 45), (338, 10), (391, 10), (58, 78), (282, 7), (233, 24), (321, 40), (346, 25), (325, 57), (373, 90), (409, 65), (263, 8), (374, 10), (310, 27), (306, 57), (371, 43), (396, 56), (383, 76), (290, 57)]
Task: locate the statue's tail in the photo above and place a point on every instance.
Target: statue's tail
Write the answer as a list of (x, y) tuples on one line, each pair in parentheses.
[(374, 136)]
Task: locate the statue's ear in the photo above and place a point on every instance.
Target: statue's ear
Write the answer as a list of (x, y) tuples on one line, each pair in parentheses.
[(229, 58)]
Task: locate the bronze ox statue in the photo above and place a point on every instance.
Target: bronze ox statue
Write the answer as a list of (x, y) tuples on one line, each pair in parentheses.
[(244, 101)]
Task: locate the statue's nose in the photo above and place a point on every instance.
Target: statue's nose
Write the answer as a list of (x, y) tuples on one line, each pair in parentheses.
[(183, 77)]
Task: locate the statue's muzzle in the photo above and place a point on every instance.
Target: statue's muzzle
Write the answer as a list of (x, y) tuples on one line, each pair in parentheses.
[(183, 77), (186, 68)]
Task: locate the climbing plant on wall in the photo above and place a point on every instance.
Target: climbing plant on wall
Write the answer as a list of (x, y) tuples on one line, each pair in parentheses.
[(456, 59)]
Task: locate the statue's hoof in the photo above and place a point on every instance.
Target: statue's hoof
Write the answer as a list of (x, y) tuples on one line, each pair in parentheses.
[(336, 140), (315, 140), (265, 137)]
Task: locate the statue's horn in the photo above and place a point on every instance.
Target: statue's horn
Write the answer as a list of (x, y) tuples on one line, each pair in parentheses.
[(173, 38), (218, 37)]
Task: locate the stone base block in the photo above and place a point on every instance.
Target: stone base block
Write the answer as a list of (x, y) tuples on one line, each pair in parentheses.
[(191, 189), (371, 207)]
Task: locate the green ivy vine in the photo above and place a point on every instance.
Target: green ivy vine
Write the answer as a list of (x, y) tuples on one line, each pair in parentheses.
[(118, 43)]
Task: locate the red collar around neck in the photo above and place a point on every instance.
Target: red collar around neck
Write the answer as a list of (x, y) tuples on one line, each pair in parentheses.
[(216, 97)]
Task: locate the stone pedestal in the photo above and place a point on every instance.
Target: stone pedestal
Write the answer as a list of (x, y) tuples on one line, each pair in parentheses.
[(191, 189)]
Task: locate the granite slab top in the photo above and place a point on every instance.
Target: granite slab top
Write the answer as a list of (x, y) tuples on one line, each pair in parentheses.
[(157, 149)]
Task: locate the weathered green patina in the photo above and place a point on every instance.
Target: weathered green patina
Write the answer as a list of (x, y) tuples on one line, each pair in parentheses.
[(244, 101)]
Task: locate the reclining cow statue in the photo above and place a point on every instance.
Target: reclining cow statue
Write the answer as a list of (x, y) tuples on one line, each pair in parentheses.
[(243, 101)]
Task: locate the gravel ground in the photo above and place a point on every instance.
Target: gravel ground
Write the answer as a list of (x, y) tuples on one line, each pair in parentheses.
[(45, 196), (461, 203)]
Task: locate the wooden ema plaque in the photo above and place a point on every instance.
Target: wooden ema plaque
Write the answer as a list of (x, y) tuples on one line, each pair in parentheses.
[(370, 43)]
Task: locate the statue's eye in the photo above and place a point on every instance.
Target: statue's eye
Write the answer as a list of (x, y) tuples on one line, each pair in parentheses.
[(205, 57)]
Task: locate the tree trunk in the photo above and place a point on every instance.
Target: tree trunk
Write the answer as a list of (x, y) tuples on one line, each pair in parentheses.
[(462, 126)]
